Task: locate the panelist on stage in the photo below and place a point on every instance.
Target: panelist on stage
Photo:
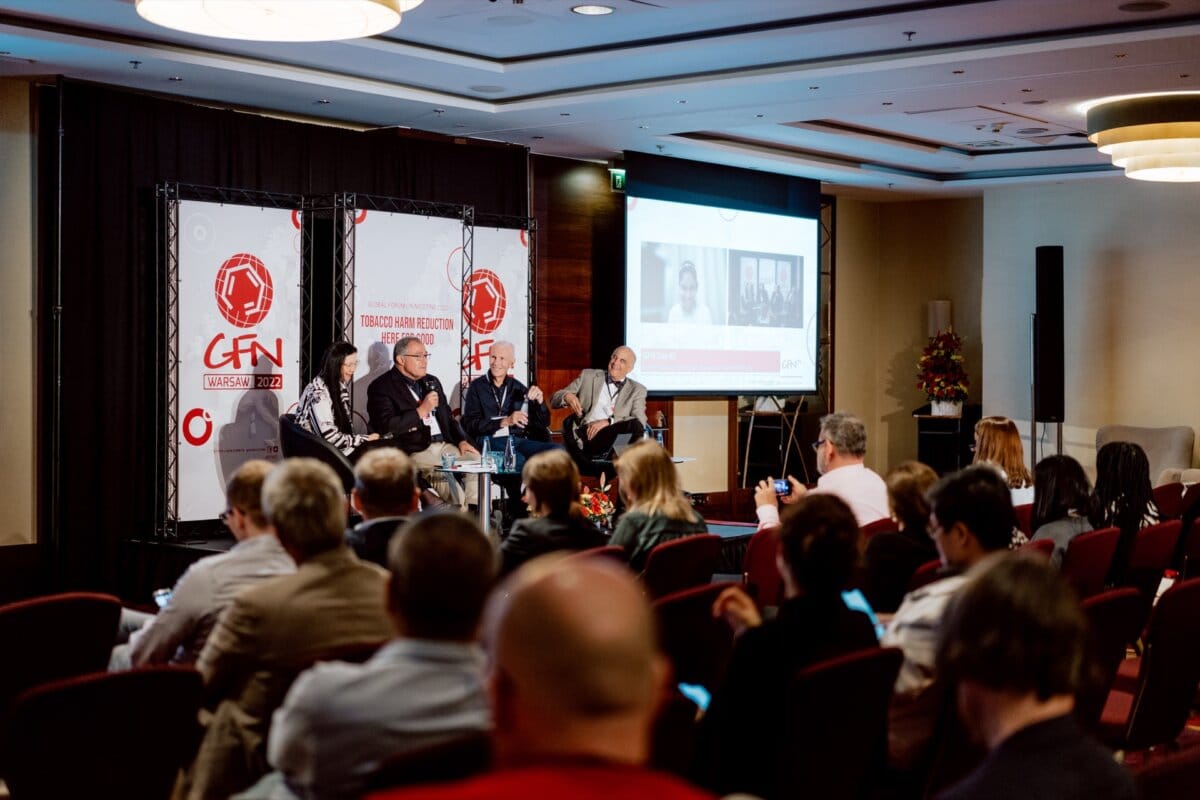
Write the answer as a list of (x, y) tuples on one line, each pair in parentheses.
[(605, 405), (409, 404), (493, 408), (324, 407)]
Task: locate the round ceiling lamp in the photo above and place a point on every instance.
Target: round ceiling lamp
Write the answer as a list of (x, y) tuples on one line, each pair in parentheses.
[(1155, 137), (277, 20)]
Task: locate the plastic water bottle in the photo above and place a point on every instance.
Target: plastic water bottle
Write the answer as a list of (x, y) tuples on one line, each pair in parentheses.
[(525, 411), (510, 455), (485, 453)]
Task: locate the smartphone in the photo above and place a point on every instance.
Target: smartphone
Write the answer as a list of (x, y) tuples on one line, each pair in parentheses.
[(162, 597), (855, 600), (783, 487), (696, 693)]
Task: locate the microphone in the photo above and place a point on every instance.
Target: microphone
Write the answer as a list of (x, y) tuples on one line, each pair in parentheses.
[(428, 384)]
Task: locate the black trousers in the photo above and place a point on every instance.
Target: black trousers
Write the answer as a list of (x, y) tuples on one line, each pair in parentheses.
[(587, 451)]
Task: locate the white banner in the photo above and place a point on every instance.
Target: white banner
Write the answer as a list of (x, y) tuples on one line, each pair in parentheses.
[(499, 300), (239, 341)]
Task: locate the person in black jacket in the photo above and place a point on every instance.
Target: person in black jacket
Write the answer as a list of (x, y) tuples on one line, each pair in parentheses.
[(493, 407), (385, 493), (892, 557), (552, 491), (408, 403)]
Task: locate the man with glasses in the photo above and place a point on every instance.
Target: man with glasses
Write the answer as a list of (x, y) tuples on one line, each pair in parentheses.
[(408, 404)]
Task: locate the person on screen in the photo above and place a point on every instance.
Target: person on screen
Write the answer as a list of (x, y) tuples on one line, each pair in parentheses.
[(320, 413), (493, 408), (686, 309), (605, 404)]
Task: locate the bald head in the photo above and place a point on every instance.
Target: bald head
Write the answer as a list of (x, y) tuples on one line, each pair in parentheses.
[(576, 667)]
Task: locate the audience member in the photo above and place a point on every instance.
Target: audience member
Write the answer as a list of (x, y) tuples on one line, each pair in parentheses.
[(493, 408), (841, 448), (1123, 498), (745, 724), (385, 493), (341, 721), (971, 516), (891, 558), (656, 510), (604, 405), (556, 521), (998, 442), (324, 407), (1013, 643), (275, 629), (408, 403), (1062, 503), (576, 680), (177, 633)]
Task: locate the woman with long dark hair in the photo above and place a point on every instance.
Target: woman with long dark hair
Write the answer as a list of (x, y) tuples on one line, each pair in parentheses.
[(1062, 503), (1123, 498), (324, 407)]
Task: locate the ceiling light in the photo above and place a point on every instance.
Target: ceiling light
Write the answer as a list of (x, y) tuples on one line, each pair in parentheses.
[(592, 10), (1153, 137), (277, 20)]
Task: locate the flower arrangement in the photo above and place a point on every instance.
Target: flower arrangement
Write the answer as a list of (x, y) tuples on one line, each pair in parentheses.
[(597, 506), (940, 371)]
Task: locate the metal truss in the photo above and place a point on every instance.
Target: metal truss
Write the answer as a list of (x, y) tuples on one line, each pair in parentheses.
[(529, 225)]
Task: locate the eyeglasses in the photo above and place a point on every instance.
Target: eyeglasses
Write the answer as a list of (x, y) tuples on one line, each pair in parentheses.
[(418, 356), (817, 444)]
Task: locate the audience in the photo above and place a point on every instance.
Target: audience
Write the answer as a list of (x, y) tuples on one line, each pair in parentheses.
[(657, 510), (576, 680), (177, 633), (745, 724), (385, 493), (998, 442), (341, 721), (1062, 503), (841, 448), (891, 558), (1013, 643), (279, 627), (971, 516), (1123, 498), (556, 521)]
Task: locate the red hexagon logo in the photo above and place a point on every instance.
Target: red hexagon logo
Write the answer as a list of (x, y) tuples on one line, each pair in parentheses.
[(485, 301), (244, 290)]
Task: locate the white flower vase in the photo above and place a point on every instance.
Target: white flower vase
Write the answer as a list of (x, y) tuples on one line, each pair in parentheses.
[(946, 408)]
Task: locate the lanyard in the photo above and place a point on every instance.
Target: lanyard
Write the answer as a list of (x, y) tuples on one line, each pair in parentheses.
[(502, 398)]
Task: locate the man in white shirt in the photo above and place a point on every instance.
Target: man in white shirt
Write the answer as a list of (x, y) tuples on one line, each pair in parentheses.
[(841, 448), (605, 405)]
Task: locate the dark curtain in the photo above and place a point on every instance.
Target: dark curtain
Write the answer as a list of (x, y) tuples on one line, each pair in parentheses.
[(116, 147)]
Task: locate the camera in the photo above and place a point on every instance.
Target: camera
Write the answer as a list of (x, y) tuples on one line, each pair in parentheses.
[(782, 487)]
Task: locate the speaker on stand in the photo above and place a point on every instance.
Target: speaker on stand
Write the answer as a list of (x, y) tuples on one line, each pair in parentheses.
[(1048, 357)]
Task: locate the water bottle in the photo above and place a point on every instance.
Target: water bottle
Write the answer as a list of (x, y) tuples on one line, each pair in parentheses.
[(510, 455), (658, 435), (485, 453), (525, 411)]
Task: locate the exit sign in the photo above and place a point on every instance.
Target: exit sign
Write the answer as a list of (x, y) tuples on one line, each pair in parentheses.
[(616, 180)]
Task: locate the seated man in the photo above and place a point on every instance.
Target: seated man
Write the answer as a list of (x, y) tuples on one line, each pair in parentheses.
[(385, 493), (177, 633), (272, 631), (408, 403), (493, 407), (341, 721), (576, 680), (1013, 642), (605, 404)]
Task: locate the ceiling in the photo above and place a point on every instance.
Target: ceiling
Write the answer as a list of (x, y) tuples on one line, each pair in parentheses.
[(927, 98)]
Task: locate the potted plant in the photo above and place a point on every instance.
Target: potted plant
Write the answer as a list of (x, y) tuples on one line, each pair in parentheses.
[(942, 375)]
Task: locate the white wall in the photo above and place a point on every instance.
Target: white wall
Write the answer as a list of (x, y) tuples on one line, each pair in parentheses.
[(18, 419)]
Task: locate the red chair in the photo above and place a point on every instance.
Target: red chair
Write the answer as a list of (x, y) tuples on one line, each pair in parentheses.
[(681, 564), (760, 575), (1157, 709), (1087, 560), (1190, 551), (76, 737), (1115, 618), (885, 525), (1151, 554), (697, 643), (1041, 547), (1169, 499), (613, 551), (925, 574), (836, 740), (1024, 518)]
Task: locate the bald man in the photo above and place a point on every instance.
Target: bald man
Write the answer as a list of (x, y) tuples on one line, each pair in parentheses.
[(575, 684), (604, 404)]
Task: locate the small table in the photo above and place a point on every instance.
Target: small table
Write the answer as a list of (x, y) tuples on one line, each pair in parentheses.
[(484, 477)]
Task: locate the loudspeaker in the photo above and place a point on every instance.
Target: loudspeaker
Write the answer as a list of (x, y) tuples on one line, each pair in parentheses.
[(1048, 336)]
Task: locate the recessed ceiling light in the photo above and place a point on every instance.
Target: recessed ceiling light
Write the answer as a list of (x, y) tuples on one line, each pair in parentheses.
[(887, 102), (564, 113), (958, 72), (681, 102), (176, 79), (537, 138), (1143, 6), (643, 127), (1027, 91), (813, 88), (323, 102), (759, 116), (592, 10)]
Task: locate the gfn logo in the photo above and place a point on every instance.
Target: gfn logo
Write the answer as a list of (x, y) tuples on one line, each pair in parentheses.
[(485, 301), (244, 290)]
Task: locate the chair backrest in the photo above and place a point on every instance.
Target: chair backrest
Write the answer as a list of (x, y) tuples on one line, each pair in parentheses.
[(697, 643), (1169, 500), (50, 638), (613, 551), (1170, 670), (1190, 550), (836, 738), (1153, 547), (295, 442), (1088, 558), (925, 574), (885, 525), (456, 759), (1024, 514), (681, 564), (1115, 619), (1042, 547), (121, 734), (759, 573)]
